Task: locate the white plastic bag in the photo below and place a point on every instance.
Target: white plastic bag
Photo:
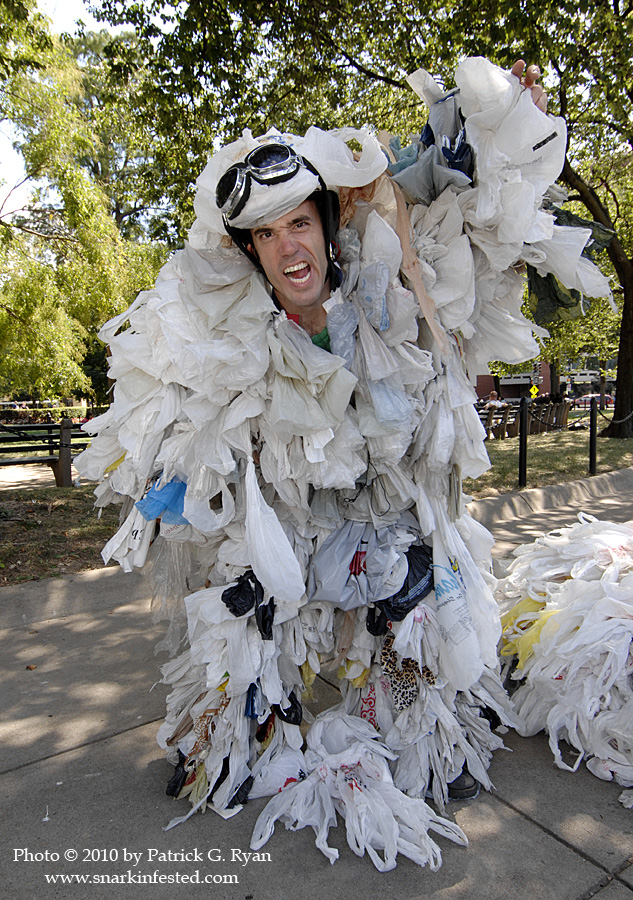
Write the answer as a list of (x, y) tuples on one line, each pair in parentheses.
[(276, 770), (460, 656), (271, 555)]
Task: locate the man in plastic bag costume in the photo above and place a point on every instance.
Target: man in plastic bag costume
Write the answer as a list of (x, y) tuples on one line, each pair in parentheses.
[(292, 418)]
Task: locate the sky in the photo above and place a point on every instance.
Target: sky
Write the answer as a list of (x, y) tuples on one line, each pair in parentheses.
[(63, 15)]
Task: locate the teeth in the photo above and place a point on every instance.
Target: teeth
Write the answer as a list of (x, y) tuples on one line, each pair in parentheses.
[(299, 273), (303, 279)]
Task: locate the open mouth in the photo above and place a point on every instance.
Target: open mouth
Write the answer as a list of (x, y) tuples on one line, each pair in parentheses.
[(299, 273)]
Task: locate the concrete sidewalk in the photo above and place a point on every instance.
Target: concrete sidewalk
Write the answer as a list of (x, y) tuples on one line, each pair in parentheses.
[(34, 475), (80, 771), (518, 518)]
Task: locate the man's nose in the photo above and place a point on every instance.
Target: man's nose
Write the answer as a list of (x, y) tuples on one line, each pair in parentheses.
[(288, 243)]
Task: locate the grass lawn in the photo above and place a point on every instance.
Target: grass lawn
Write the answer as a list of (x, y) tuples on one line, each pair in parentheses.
[(551, 459), (49, 531)]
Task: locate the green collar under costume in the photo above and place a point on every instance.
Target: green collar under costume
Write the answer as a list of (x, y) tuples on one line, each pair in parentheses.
[(322, 340)]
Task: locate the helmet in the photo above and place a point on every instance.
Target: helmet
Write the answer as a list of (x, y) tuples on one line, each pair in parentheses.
[(274, 163), (254, 181)]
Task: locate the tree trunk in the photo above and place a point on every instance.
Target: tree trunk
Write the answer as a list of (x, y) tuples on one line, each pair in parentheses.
[(621, 426), (554, 379)]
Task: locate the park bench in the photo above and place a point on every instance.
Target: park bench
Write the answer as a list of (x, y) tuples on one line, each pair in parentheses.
[(495, 421), (51, 441), (548, 417), (542, 417)]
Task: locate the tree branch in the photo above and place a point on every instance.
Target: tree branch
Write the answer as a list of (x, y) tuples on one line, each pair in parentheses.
[(365, 71), (614, 198), (562, 93), (46, 237), (600, 213), (624, 133), (10, 312), (587, 194)]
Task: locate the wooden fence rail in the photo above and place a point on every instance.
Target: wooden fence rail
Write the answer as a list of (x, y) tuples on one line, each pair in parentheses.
[(54, 443)]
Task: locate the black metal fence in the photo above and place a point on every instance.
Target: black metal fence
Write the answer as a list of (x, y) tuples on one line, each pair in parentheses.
[(528, 414)]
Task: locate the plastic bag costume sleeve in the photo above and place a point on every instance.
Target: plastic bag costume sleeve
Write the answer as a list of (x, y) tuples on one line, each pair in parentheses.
[(312, 481)]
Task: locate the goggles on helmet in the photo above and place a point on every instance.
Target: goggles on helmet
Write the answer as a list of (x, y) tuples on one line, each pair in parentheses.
[(271, 163)]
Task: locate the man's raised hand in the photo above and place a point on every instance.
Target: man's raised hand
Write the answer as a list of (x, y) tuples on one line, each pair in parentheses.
[(529, 78)]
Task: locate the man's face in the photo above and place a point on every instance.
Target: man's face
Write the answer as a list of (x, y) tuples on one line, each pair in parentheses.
[(292, 252)]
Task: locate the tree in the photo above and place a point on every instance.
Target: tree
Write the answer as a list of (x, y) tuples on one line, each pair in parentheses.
[(95, 367), (66, 264), (218, 67), (122, 157), (213, 69), (24, 37), (594, 334)]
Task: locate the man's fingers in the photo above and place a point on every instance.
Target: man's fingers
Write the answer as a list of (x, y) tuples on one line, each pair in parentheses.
[(541, 99), (532, 75), (518, 68), (528, 78)]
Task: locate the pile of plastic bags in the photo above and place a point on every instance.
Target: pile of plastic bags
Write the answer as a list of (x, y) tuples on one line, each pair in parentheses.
[(568, 643), (299, 509)]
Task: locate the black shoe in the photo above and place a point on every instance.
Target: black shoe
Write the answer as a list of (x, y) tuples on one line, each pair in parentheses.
[(464, 787)]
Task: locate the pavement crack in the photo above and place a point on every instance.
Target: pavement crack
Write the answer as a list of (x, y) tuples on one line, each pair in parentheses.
[(582, 853), (604, 882), (90, 743), (596, 888)]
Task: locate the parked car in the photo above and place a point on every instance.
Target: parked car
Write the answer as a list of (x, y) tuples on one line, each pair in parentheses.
[(584, 402)]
